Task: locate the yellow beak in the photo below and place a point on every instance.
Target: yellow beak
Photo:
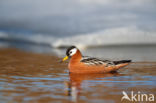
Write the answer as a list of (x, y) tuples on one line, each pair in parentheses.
[(65, 58)]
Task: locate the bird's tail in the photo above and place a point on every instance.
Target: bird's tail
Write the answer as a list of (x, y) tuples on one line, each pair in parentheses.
[(121, 62)]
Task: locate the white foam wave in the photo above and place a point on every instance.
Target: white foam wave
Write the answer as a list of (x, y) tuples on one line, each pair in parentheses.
[(114, 36)]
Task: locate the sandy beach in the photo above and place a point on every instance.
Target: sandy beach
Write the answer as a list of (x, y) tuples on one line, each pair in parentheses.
[(35, 77)]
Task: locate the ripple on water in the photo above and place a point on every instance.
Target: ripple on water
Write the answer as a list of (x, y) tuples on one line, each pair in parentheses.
[(56, 85)]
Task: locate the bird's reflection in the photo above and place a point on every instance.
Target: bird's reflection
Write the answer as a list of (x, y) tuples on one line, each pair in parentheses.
[(73, 87)]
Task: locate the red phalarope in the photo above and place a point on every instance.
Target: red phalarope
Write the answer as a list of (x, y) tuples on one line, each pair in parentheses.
[(82, 64)]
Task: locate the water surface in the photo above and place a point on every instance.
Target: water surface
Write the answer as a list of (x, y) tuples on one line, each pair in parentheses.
[(30, 77)]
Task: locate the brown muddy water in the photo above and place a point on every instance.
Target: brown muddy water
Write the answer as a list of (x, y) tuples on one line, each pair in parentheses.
[(39, 78)]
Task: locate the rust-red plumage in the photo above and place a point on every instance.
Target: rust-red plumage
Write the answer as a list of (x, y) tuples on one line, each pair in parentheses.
[(77, 66)]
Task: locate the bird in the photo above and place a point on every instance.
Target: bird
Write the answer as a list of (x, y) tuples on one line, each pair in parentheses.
[(84, 64)]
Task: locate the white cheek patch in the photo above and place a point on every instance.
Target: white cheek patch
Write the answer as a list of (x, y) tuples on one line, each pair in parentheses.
[(73, 51)]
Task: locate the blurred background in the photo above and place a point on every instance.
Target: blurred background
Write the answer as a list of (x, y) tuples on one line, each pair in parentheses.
[(34, 36), (85, 23)]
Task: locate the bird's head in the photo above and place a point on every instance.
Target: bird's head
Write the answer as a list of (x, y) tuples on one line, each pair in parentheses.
[(70, 52)]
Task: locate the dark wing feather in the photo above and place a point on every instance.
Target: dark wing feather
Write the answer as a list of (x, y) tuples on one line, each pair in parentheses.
[(95, 61), (121, 62)]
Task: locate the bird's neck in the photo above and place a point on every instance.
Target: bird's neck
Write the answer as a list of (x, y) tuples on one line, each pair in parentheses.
[(77, 57)]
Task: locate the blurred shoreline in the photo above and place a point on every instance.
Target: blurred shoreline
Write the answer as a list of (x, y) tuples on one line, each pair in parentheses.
[(138, 53)]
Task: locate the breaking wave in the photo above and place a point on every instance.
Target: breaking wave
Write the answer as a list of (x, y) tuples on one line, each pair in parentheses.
[(114, 36)]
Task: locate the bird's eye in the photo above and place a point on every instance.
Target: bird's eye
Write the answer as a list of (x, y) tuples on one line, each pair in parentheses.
[(70, 52)]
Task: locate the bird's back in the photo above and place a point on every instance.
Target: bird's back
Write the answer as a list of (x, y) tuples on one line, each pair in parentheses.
[(95, 65)]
